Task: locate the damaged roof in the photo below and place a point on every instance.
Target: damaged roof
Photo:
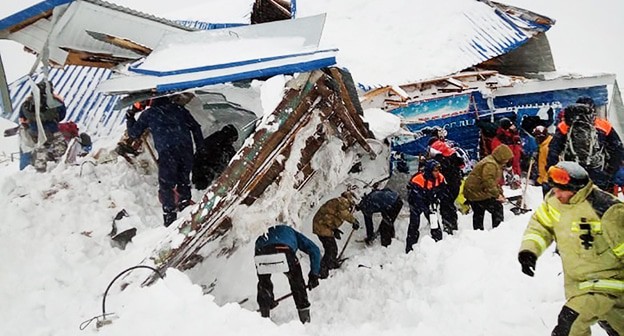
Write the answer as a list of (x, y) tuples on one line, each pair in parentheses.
[(438, 38)]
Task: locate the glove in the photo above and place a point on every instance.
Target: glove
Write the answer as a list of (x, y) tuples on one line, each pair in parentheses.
[(337, 233), (527, 259), (313, 280), (356, 225)]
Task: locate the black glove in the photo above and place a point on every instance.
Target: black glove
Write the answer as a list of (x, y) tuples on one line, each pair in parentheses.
[(356, 225), (313, 280), (527, 259), (337, 233)]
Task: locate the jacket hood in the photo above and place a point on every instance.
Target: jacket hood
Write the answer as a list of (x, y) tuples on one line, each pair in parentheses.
[(430, 165), (502, 154)]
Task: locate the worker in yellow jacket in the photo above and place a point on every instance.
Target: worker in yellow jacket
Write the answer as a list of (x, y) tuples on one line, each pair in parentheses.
[(588, 226), (541, 135)]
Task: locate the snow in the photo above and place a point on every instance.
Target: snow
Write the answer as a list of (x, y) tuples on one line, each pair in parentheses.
[(12, 7), (57, 258)]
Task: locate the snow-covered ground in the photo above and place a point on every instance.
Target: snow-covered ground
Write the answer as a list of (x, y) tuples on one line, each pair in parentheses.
[(57, 260)]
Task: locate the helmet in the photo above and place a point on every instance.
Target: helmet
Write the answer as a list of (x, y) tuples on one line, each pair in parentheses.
[(505, 123), (540, 131), (568, 175)]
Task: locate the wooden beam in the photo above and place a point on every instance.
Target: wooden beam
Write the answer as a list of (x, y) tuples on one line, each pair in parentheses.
[(28, 22)]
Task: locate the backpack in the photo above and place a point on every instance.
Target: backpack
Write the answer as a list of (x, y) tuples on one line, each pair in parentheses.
[(581, 144)]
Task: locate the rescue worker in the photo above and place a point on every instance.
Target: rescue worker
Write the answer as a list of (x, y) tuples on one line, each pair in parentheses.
[(387, 202), (51, 111), (326, 223), (424, 191), (588, 226), (482, 188), (543, 138), (451, 165), (280, 245), (172, 126), (213, 156), (607, 141), (507, 134)]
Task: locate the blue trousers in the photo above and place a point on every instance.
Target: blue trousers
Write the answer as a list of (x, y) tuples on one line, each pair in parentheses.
[(174, 168)]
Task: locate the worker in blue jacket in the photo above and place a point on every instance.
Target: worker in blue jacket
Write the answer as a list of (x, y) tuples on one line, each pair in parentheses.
[(281, 243), (172, 126), (385, 201)]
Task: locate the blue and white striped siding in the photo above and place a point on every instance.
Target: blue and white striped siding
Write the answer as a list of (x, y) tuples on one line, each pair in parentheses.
[(92, 111)]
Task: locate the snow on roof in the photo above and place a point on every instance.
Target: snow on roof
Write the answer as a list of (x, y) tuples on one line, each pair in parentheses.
[(17, 12), (14, 12), (438, 37), (231, 54)]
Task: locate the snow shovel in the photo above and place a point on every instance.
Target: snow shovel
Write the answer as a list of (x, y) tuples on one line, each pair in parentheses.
[(345, 245), (518, 210)]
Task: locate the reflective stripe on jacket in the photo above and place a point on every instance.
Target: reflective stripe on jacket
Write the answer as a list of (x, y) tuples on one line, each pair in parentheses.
[(591, 246)]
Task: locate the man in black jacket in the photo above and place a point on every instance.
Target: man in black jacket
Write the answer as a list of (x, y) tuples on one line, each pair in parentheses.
[(213, 156), (172, 126), (603, 140)]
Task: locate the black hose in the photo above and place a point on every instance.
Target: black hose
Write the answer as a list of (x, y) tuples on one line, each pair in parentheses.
[(117, 277), (86, 323)]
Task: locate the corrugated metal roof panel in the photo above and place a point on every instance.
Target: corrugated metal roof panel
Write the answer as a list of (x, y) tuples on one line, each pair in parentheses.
[(30, 12), (47, 5), (92, 111)]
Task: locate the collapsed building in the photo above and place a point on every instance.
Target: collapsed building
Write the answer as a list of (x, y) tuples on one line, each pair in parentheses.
[(501, 66)]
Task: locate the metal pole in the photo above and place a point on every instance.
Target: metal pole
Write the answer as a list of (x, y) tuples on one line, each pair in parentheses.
[(7, 107)]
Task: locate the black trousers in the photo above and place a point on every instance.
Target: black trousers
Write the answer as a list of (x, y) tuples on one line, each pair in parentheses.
[(386, 227), (265, 296), (480, 207), (330, 255)]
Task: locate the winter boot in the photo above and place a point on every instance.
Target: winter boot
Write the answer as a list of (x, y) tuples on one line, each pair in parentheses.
[(436, 234), (304, 315), (265, 312), (169, 217), (183, 204)]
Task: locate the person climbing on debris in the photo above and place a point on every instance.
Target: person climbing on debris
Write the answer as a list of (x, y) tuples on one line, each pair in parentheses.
[(451, 165), (482, 188), (51, 111), (213, 156), (591, 141), (326, 224), (588, 226), (384, 201), (172, 127), (543, 138), (424, 191), (276, 252)]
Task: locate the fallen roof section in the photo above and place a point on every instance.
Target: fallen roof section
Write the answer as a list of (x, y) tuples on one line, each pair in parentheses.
[(231, 54), (321, 97), (64, 25), (435, 39)]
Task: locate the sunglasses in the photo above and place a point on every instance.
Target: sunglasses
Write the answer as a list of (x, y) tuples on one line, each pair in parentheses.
[(559, 175)]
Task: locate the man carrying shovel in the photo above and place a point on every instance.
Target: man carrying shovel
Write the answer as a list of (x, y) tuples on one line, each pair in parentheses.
[(326, 224)]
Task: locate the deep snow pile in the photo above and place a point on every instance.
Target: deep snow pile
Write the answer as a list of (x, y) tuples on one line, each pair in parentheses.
[(57, 261)]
